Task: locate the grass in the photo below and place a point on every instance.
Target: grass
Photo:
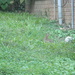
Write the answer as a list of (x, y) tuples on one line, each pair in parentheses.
[(23, 51)]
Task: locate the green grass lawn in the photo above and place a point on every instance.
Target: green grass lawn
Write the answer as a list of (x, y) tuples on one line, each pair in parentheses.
[(24, 52)]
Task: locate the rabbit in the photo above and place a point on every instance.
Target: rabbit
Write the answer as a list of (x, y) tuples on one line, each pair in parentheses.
[(46, 39)]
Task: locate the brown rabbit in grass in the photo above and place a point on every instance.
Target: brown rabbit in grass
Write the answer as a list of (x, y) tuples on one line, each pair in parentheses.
[(46, 39)]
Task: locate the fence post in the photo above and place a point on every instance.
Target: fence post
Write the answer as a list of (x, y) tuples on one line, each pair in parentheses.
[(72, 7), (60, 11)]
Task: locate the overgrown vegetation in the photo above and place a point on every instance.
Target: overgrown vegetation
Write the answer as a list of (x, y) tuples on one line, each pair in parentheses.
[(24, 52), (13, 5), (4, 3)]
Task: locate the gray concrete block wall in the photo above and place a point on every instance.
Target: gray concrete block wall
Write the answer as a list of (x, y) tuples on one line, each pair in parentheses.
[(46, 8)]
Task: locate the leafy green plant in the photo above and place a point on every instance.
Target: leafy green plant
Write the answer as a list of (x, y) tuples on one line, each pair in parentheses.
[(4, 3)]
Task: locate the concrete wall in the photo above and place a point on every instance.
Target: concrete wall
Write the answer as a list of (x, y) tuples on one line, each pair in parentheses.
[(46, 8)]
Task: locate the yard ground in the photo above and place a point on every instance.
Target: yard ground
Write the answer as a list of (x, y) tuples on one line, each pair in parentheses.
[(24, 52)]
